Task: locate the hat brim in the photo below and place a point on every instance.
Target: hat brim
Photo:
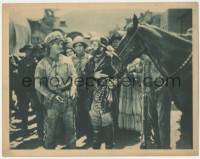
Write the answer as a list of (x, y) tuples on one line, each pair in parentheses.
[(38, 46), (69, 47), (74, 34), (114, 38), (26, 47), (81, 41), (22, 50)]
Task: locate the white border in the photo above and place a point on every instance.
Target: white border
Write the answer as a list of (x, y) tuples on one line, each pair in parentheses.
[(76, 1)]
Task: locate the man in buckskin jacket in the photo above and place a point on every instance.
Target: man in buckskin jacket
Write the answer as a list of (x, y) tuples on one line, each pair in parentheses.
[(52, 76)]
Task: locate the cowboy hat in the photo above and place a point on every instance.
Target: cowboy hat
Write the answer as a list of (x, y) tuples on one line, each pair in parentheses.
[(116, 36), (38, 47), (103, 41), (26, 47)]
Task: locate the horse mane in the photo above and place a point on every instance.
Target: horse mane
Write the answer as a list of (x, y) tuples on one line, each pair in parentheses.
[(163, 45), (160, 32), (149, 27)]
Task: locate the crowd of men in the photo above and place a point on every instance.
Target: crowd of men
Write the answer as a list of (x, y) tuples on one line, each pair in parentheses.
[(59, 94)]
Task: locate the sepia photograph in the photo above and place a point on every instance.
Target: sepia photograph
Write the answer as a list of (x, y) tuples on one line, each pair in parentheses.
[(108, 79)]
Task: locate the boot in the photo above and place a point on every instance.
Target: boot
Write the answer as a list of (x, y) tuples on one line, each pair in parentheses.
[(97, 137), (89, 131), (109, 134), (49, 145)]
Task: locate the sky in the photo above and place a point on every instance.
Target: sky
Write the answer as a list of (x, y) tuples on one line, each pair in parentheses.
[(60, 12), (100, 20)]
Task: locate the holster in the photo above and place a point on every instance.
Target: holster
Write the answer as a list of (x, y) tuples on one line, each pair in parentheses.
[(55, 104)]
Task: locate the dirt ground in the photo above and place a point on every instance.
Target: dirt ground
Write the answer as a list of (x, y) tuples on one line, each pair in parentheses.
[(124, 140)]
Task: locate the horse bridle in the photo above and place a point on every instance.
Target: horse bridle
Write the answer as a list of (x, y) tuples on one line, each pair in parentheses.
[(128, 41), (174, 73)]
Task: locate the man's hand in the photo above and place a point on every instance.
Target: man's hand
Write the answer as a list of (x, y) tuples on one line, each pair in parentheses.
[(111, 83), (59, 98), (137, 76), (99, 75)]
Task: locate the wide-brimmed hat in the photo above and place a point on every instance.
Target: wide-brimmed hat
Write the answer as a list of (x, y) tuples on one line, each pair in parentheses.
[(103, 41), (80, 39), (87, 36), (74, 34), (26, 47), (115, 36), (38, 47), (95, 38)]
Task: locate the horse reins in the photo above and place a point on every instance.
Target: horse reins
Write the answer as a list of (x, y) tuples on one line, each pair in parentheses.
[(175, 72), (182, 66), (128, 41)]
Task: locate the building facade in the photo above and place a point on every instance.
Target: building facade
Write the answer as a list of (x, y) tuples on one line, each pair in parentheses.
[(176, 20)]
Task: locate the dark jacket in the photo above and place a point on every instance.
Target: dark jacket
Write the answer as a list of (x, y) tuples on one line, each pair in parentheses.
[(103, 64)]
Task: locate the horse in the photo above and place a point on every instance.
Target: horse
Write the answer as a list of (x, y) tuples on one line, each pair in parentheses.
[(171, 55)]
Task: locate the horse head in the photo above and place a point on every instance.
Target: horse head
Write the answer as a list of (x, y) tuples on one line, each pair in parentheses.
[(130, 46)]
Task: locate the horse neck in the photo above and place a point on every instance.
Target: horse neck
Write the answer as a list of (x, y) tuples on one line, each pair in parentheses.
[(166, 51)]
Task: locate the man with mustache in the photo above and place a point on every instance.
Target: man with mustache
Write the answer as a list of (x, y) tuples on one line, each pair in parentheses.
[(100, 68)]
